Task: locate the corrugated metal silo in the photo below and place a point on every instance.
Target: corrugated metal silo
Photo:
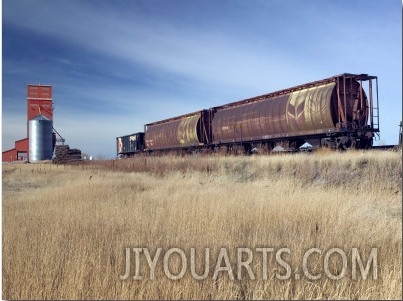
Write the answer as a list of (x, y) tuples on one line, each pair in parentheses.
[(40, 139)]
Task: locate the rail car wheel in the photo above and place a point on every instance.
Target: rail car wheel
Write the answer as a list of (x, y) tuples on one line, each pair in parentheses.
[(247, 149), (327, 143), (365, 143), (345, 143)]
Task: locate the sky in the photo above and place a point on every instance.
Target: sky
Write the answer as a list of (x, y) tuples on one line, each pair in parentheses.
[(117, 65)]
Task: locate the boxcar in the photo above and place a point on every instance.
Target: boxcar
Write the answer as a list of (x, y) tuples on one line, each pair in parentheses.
[(129, 145)]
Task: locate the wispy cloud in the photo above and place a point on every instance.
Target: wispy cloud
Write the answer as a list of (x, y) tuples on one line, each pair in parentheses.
[(146, 42)]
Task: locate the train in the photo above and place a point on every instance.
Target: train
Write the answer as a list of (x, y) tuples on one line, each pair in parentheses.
[(339, 112)]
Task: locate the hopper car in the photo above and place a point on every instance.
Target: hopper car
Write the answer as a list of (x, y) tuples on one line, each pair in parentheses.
[(339, 112)]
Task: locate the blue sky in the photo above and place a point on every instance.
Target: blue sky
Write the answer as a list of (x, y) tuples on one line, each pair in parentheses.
[(116, 65)]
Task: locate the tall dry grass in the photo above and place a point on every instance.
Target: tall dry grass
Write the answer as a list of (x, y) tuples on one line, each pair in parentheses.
[(65, 228)]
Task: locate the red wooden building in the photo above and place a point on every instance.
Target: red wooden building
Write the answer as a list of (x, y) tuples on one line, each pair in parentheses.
[(39, 102)]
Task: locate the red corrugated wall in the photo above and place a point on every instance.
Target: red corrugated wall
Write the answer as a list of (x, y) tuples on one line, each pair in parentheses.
[(22, 145), (10, 155), (19, 152)]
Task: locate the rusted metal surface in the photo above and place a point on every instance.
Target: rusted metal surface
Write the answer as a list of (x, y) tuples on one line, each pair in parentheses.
[(335, 111), (180, 132), (352, 103), (302, 111)]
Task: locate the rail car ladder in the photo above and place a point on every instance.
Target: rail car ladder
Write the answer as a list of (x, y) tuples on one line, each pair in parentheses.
[(375, 121), (374, 111)]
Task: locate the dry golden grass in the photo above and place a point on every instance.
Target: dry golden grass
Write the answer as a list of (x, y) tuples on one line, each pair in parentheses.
[(65, 228)]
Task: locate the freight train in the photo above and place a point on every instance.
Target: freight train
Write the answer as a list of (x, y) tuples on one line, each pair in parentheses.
[(340, 112)]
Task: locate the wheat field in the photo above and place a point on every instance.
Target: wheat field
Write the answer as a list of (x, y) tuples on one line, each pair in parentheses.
[(66, 229)]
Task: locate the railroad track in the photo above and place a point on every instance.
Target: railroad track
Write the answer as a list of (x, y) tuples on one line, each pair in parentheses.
[(385, 146)]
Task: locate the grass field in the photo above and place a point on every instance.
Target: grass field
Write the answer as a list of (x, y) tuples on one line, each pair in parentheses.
[(66, 228)]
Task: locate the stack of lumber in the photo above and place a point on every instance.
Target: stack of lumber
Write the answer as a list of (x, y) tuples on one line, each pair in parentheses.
[(63, 154)]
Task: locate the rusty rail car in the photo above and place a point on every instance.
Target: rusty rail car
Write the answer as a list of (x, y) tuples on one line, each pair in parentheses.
[(339, 112), (187, 131)]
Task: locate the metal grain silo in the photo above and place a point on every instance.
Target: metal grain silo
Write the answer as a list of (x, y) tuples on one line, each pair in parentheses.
[(40, 139)]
